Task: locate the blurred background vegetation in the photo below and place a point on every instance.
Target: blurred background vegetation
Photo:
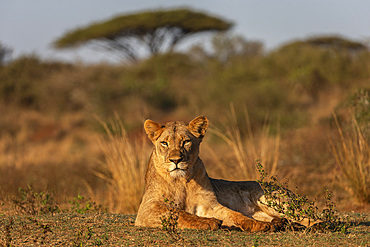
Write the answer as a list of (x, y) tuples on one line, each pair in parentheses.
[(301, 108)]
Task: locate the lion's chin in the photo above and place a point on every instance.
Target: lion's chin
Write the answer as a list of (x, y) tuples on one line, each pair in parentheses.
[(178, 173)]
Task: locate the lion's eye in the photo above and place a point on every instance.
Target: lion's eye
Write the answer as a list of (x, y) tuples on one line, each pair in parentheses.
[(164, 144), (186, 142)]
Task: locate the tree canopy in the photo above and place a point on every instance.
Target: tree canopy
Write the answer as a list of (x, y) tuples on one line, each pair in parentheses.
[(155, 30), (336, 42)]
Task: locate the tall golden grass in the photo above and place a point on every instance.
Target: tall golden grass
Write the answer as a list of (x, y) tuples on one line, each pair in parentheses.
[(246, 149), (124, 165), (51, 154), (352, 154)]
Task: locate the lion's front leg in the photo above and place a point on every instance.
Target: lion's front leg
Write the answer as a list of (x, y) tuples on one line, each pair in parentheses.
[(152, 216), (251, 225), (233, 218), (191, 221)]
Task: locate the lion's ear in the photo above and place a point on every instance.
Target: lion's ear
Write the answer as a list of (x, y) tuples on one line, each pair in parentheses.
[(153, 130), (198, 126)]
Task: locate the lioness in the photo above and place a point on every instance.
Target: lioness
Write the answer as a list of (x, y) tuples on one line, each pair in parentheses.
[(176, 173)]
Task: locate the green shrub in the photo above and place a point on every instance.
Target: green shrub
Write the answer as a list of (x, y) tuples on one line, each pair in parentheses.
[(297, 208), (81, 205), (31, 202)]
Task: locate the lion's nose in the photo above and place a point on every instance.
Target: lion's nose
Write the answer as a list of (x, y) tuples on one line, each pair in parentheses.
[(176, 160)]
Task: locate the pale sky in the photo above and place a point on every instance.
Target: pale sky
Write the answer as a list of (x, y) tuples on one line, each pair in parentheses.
[(30, 26)]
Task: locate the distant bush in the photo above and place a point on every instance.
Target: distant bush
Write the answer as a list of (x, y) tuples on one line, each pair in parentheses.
[(360, 104), (18, 81), (313, 68), (284, 82), (23, 81)]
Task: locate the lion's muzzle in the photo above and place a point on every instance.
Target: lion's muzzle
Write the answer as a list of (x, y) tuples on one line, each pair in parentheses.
[(176, 161), (179, 166)]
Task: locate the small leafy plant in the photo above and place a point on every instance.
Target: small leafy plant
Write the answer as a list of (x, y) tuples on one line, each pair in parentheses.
[(169, 221), (80, 205), (297, 208), (31, 202), (86, 234)]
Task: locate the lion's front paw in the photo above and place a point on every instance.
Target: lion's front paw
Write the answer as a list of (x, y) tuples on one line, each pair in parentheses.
[(281, 224), (256, 226), (263, 227), (209, 224)]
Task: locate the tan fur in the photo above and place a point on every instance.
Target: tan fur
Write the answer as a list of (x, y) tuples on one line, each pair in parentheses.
[(176, 173)]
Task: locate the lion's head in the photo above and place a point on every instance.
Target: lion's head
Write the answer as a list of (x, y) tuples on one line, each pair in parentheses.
[(176, 145)]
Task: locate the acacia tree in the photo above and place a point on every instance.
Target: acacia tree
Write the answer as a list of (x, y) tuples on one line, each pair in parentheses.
[(157, 31), (336, 42)]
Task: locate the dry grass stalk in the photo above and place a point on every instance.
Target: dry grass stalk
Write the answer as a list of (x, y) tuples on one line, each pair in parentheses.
[(352, 154), (246, 149), (124, 167)]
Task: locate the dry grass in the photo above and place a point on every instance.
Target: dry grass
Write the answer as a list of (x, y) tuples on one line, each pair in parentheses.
[(125, 161), (51, 154), (247, 148), (352, 154)]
